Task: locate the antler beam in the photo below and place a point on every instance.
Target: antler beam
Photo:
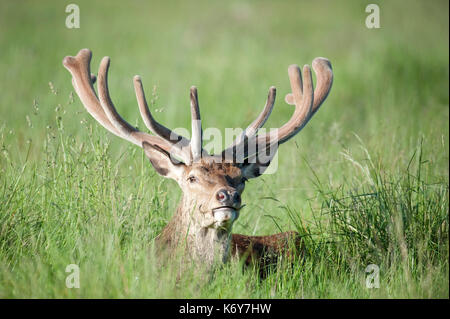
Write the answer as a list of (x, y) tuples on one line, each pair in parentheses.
[(104, 111), (306, 100)]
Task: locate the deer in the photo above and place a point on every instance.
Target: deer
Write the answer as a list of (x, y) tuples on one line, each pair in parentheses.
[(212, 184)]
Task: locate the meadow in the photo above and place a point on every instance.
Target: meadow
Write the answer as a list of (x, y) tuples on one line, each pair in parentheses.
[(365, 182)]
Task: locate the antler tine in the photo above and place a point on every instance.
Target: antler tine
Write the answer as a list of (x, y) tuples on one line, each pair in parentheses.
[(253, 128), (303, 105), (303, 98), (119, 123), (324, 73), (154, 126), (93, 78), (129, 132), (196, 126), (79, 67), (322, 68), (103, 110), (306, 101), (296, 81)]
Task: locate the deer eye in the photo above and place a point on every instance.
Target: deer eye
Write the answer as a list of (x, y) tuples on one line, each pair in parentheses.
[(192, 179)]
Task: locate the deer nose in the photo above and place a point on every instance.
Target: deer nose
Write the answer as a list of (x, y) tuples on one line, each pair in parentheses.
[(236, 197), (222, 195), (231, 197)]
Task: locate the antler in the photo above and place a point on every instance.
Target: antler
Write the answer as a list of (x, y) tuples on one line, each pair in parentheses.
[(149, 121), (306, 100), (196, 126), (240, 143), (103, 110)]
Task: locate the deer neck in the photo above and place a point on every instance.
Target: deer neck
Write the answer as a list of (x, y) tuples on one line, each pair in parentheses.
[(205, 244)]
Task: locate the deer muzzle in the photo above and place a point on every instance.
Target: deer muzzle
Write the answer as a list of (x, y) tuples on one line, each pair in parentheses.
[(224, 215)]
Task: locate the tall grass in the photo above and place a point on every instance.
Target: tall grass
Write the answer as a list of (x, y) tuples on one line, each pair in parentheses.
[(398, 222), (72, 207), (366, 182)]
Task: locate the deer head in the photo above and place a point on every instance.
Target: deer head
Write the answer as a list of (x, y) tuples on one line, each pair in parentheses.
[(212, 184)]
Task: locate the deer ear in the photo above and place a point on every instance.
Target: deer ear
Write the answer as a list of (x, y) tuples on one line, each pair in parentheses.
[(256, 166), (162, 161), (253, 170)]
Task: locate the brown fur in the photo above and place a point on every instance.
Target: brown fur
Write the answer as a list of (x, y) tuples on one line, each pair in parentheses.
[(265, 251)]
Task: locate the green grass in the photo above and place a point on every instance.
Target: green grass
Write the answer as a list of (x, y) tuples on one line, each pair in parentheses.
[(366, 182)]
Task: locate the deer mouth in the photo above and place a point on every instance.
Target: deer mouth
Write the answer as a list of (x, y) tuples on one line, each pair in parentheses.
[(225, 215)]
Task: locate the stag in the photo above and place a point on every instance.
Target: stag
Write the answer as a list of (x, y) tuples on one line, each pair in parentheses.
[(212, 185)]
